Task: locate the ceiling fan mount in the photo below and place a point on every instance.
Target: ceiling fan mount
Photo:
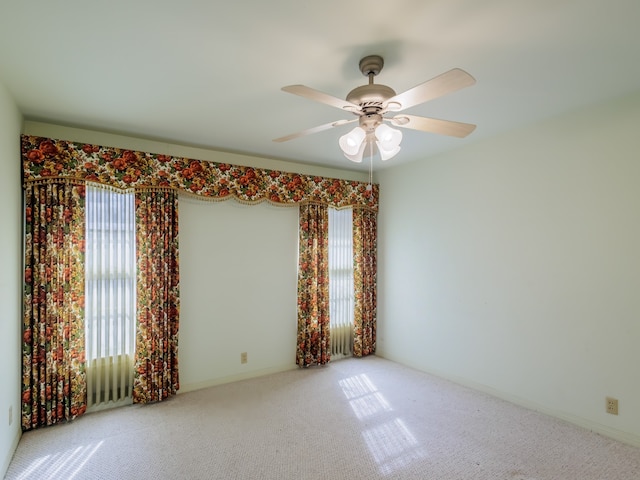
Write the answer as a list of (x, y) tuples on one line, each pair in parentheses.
[(371, 102), (371, 65), (370, 98)]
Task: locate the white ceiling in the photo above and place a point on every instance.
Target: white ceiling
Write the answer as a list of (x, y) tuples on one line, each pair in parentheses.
[(208, 73)]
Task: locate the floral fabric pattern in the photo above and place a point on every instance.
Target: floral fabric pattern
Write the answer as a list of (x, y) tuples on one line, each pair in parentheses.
[(158, 296), (364, 282), (53, 366), (45, 158), (53, 378), (313, 287)]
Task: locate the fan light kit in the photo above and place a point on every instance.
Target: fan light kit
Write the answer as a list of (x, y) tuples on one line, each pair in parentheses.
[(370, 103)]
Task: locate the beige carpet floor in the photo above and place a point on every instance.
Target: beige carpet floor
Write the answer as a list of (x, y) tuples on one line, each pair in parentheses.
[(353, 419)]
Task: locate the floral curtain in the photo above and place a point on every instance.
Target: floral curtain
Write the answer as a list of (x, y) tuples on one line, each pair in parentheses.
[(313, 287), (365, 281), (53, 367), (158, 303), (54, 384)]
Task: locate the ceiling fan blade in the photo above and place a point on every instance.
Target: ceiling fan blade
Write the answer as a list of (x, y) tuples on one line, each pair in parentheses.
[(439, 86), (321, 97), (317, 129), (433, 125)]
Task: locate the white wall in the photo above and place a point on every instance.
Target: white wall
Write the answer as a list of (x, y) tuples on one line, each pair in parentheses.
[(513, 265), (10, 277), (238, 290), (238, 270)]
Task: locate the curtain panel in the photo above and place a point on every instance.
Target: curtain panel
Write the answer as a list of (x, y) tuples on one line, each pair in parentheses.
[(314, 346), (158, 297), (365, 282), (53, 366)]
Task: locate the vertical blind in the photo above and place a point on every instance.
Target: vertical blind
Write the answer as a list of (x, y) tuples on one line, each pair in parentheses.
[(341, 295), (110, 295)]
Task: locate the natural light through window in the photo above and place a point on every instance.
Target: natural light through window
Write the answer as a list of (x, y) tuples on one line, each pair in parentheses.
[(363, 396), (387, 437), (110, 294), (341, 295), (393, 446), (65, 464)]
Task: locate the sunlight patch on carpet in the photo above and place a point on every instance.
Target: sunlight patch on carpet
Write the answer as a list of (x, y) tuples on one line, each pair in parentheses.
[(390, 441), (65, 464)]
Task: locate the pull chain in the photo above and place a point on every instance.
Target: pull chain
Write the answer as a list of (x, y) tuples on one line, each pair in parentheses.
[(370, 186)]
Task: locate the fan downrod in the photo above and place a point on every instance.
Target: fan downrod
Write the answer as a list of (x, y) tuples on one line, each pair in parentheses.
[(370, 98)]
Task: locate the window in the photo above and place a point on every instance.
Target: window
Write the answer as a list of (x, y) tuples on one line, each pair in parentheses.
[(110, 293), (341, 295)]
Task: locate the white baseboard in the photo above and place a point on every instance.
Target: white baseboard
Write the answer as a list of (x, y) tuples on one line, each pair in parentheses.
[(622, 436), (190, 387)]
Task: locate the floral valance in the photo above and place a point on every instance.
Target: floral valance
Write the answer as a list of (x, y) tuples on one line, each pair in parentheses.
[(46, 159)]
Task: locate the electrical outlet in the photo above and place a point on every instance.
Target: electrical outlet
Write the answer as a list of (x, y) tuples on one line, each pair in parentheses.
[(10, 414), (243, 357), (612, 406)]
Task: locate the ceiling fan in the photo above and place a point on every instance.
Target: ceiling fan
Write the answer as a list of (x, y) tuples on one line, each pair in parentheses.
[(372, 102)]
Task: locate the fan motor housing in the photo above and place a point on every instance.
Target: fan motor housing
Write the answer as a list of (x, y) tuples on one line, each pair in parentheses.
[(371, 96)]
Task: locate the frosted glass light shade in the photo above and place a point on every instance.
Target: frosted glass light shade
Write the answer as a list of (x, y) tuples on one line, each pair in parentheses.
[(388, 141), (386, 154), (388, 136), (352, 142), (357, 157)]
